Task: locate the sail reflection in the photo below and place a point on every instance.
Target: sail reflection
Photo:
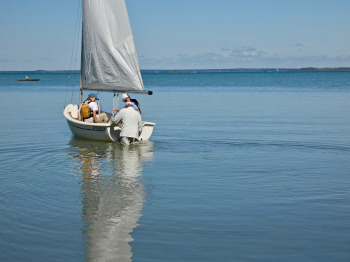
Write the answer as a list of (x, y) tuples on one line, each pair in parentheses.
[(112, 194)]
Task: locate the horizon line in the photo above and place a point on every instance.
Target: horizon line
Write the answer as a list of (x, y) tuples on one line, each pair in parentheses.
[(274, 69)]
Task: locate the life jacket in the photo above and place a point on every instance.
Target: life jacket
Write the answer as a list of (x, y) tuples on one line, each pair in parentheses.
[(136, 103), (86, 110)]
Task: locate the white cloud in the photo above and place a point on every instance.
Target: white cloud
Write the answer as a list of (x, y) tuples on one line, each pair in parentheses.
[(344, 58), (244, 56), (225, 49), (299, 47)]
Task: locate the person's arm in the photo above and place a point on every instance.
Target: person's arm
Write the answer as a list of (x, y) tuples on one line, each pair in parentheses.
[(94, 115), (94, 108), (79, 114), (117, 118)]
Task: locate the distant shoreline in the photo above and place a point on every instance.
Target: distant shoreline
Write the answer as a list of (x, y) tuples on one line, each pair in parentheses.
[(198, 71)]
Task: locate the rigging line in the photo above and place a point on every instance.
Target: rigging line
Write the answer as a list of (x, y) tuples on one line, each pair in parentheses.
[(77, 41), (74, 51), (115, 104)]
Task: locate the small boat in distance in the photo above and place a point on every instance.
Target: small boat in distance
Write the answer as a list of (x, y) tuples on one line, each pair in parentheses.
[(28, 79)]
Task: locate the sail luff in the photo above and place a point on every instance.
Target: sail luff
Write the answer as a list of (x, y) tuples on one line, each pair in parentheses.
[(109, 60)]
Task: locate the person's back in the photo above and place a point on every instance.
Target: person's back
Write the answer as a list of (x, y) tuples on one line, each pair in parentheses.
[(135, 104), (87, 108), (131, 122), (89, 111), (126, 98)]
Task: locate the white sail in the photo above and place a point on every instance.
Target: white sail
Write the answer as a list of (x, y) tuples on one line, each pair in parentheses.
[(109, 60)]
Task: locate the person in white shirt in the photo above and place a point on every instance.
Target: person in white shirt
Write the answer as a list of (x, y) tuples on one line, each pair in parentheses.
[(131, 124), (93, 116), (126, 98)]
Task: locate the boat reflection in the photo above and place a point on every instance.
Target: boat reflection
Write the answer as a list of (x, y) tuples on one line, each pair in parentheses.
[(112, 195)]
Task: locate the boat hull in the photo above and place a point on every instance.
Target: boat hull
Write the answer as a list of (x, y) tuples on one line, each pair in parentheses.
[(28, 79), (99, 131)]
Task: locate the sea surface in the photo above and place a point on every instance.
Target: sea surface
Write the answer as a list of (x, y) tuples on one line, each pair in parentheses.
[(240, 167)]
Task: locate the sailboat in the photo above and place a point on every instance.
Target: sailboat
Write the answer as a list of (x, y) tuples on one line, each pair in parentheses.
[(109, 63)]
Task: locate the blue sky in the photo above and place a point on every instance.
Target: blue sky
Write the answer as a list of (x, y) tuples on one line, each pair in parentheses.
[(187, 34)]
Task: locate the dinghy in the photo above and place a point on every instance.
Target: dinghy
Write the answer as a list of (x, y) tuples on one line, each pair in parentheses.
[(109, 63), (28, 79)]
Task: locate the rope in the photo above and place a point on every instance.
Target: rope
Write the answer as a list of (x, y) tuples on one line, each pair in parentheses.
[(115, 104), (74, 55)]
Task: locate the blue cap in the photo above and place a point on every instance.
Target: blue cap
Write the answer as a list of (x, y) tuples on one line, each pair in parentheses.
[(94, 95)]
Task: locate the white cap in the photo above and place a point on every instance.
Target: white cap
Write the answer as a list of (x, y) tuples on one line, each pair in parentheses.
[(125, 96)]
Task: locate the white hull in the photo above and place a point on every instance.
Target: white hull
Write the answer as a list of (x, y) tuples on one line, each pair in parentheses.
[(99, 131)]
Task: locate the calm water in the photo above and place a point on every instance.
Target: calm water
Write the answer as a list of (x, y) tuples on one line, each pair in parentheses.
[(240, 167)]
